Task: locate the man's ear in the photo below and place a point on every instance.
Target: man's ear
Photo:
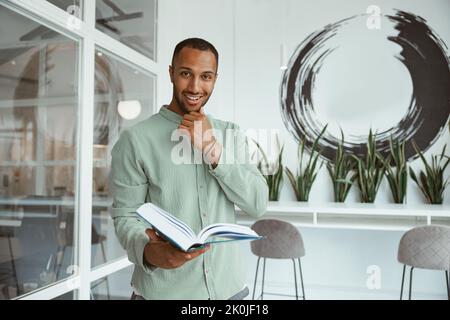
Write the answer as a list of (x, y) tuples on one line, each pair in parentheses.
[(171, 73)]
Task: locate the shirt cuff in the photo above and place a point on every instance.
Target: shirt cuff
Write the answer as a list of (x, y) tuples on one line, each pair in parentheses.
[(141, 241), (221, 168)]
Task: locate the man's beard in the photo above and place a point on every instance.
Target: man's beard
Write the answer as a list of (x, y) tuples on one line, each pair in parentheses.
[(183, 107)]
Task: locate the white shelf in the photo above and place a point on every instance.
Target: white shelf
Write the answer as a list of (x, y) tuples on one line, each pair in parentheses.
[(360, 208), (356, 216)]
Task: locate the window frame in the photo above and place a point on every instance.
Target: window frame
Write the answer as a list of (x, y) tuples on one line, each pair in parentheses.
[(89, 39)]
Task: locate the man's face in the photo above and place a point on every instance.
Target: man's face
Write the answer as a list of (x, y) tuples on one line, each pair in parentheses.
[(193, 76)]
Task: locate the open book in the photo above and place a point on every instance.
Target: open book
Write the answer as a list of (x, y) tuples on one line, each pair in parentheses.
[(183, 237)]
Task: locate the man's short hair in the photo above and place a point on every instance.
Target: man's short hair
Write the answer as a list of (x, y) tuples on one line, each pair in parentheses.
[(195, 43)]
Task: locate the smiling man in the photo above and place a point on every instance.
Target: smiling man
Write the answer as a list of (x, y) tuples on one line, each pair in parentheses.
[(193, 74), (143, 170)]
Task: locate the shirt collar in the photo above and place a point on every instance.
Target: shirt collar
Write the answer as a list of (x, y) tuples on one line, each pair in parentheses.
[(170, 115)]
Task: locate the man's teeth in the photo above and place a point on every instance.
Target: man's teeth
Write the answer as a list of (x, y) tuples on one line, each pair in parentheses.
[(192, 98)]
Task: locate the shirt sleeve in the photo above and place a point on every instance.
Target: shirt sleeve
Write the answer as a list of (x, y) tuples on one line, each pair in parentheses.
[(241, 180), (129, 185)]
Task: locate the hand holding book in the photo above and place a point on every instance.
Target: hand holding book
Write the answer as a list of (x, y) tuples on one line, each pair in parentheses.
[(160, 253), (183, 237)]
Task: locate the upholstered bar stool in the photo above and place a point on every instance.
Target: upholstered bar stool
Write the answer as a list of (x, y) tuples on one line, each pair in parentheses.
[(283, 241), (425, 247)]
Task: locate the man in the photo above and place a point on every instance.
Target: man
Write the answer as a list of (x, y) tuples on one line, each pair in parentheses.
[(145, 169)]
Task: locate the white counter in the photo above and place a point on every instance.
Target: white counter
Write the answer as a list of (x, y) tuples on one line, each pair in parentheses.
[(362, 216)]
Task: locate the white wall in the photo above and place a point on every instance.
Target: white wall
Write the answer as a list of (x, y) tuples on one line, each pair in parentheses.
[(248, 35), (249, 75), (262, 26)]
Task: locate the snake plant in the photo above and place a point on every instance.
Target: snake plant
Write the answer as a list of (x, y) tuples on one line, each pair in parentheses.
[(303, 181), (370, 171), (341, 172), (397, 171), (272, 171), (431, 181)]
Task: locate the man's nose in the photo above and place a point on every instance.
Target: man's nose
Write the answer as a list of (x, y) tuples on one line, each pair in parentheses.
[(194, 85)]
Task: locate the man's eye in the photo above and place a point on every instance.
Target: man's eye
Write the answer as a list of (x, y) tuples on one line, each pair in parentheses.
[(207, 77), (185, 73)]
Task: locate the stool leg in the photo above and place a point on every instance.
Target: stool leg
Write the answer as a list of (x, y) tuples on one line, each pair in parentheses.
[(301, 278), (403, 281), (256, 276), (410, 281), (295, 279), (264, 274), (448, 284)]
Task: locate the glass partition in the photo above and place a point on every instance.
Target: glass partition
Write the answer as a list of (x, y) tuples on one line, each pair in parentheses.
[(38, 148), (131, 22), (124, 95), (74, 7), (115, 286)]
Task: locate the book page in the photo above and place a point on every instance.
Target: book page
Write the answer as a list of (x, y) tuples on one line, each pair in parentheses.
[(227, 230), (171, 228)]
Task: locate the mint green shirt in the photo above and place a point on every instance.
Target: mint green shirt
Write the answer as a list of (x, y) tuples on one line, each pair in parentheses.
[(142, 171)]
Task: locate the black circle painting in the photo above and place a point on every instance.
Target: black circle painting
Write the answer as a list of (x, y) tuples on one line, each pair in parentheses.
[(394, 80)]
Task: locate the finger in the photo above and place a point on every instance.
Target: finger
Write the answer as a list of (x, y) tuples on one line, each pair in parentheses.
[(202, 111), (183, 128), (153, 235), (196, 253), (199, 116), (196, 114), (180, 255), (190, 117), (187, 123)]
